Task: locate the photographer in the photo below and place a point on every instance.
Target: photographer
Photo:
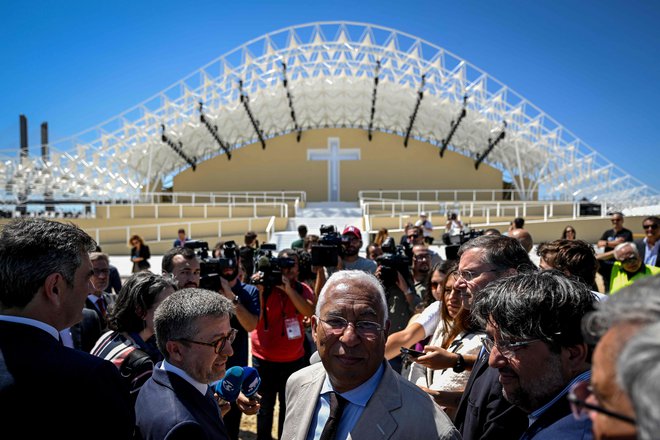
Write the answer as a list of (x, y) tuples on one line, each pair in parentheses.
[(245, 298), (277, 342), (394, 273)]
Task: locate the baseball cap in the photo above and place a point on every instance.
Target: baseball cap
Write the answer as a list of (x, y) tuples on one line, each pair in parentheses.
[(352, 230)]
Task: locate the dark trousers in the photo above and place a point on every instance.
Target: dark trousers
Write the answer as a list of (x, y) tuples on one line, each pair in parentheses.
[(273, 383)]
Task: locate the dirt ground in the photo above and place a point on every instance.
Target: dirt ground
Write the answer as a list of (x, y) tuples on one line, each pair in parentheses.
[(249, 426)]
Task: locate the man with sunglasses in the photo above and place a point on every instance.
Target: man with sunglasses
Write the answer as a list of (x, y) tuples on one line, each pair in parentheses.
[(534, 342), (611, 327), (628, 267), (649, 246), (615, 236), (194, 334), (353, 392)]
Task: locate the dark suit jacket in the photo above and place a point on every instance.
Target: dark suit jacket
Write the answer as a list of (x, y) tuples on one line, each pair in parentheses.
[(483, 412), (48, 390), (85, 333), (115, 280), (110, 299), (557, 422), (169, 407)]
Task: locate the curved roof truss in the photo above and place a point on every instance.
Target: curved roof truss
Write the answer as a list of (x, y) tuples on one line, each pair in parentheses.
[(330, 82)]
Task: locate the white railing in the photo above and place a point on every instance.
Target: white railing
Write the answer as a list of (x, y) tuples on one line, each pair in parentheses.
[(499, 209), (283, 208), (232, 197), (440, 194), (189, 227)]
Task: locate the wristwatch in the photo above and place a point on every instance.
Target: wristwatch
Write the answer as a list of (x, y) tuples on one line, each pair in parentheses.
[(235, 300), (460, 364)]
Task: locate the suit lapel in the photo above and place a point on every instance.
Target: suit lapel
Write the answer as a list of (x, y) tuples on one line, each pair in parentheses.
[(305, 406), (377, 421)]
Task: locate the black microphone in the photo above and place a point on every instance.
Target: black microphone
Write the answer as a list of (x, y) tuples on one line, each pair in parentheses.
[(230, 386)]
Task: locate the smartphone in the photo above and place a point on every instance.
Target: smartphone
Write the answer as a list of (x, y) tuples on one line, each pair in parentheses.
[(412, 353)]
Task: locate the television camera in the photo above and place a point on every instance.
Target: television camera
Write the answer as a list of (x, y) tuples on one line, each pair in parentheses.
[(211, 268), (329, 247), (270, 267)]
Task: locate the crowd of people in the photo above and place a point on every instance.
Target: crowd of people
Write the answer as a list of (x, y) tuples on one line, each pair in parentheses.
[(401, 343)]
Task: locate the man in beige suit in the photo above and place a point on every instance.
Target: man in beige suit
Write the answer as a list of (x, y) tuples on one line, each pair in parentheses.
[(353, 392)]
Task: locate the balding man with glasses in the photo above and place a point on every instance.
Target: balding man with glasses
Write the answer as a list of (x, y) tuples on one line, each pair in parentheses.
[(534, 342), (194, 334), (353, 392)]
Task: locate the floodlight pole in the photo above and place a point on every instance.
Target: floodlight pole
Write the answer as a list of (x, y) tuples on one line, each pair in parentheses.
[(491, 145), (454, 127), (178, 149), (373, 99), (245, 100), (420, 96), (285, 82), (213, 129)]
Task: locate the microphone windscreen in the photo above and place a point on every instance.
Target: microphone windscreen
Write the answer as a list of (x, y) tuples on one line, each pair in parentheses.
[(251, 381), (230, 386), (263, 264)]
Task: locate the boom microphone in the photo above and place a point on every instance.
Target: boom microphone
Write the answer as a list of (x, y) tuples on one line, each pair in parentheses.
[(229, 386), (251, 381)]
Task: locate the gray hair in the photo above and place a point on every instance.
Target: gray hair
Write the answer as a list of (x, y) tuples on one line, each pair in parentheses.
[(354, 278), (177, 316), (95, 256), (638, 373), (638, 303), (624, 245), (538, 305), (501, 251), (31, 250)]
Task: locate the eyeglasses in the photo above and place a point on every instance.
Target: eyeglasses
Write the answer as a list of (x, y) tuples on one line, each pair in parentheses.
[(219, 344), (413, 236), (616, 220), (469, 276), (506, 349), (629, 260), (577, 397), (99, 272), (653, 226), (337, 325)]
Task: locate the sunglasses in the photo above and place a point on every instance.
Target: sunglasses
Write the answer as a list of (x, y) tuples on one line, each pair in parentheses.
[(651, 226)]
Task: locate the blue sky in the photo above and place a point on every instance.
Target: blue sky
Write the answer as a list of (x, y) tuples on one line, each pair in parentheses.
[(594, 66)]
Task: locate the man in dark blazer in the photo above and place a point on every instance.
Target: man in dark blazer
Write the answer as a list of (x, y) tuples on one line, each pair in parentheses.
[(535, 343), (194, 334), (483, 413), (350, 328), (98, 300), (48, 390)]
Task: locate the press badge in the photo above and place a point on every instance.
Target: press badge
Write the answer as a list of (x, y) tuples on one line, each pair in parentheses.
[(292, 328)]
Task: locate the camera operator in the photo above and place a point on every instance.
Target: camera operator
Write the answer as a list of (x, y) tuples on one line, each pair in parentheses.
[(277, 342), (182, 264), (394, 273), (349, 258), (245, 298), (421, 269)]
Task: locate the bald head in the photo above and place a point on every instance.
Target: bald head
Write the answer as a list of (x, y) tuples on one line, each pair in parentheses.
[(524, 237)]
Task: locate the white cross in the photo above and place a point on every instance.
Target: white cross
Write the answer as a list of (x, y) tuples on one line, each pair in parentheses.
[(333, 155)]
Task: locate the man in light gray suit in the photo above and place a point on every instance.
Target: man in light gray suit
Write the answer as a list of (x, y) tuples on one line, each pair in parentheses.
[(353, 392)]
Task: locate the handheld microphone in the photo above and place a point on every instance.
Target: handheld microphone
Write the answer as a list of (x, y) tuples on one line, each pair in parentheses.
[(229, 386), (251, 381)]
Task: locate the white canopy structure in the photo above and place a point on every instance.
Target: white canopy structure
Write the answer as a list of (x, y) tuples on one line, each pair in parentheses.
[(320, 75)]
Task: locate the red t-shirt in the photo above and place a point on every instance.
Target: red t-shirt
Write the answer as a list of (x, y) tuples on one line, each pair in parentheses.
[(270, 340)]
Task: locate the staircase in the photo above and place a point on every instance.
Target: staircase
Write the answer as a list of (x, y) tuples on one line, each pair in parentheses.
[(315, 215)]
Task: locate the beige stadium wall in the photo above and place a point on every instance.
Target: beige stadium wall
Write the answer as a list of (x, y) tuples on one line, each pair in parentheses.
[(385, 164)]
